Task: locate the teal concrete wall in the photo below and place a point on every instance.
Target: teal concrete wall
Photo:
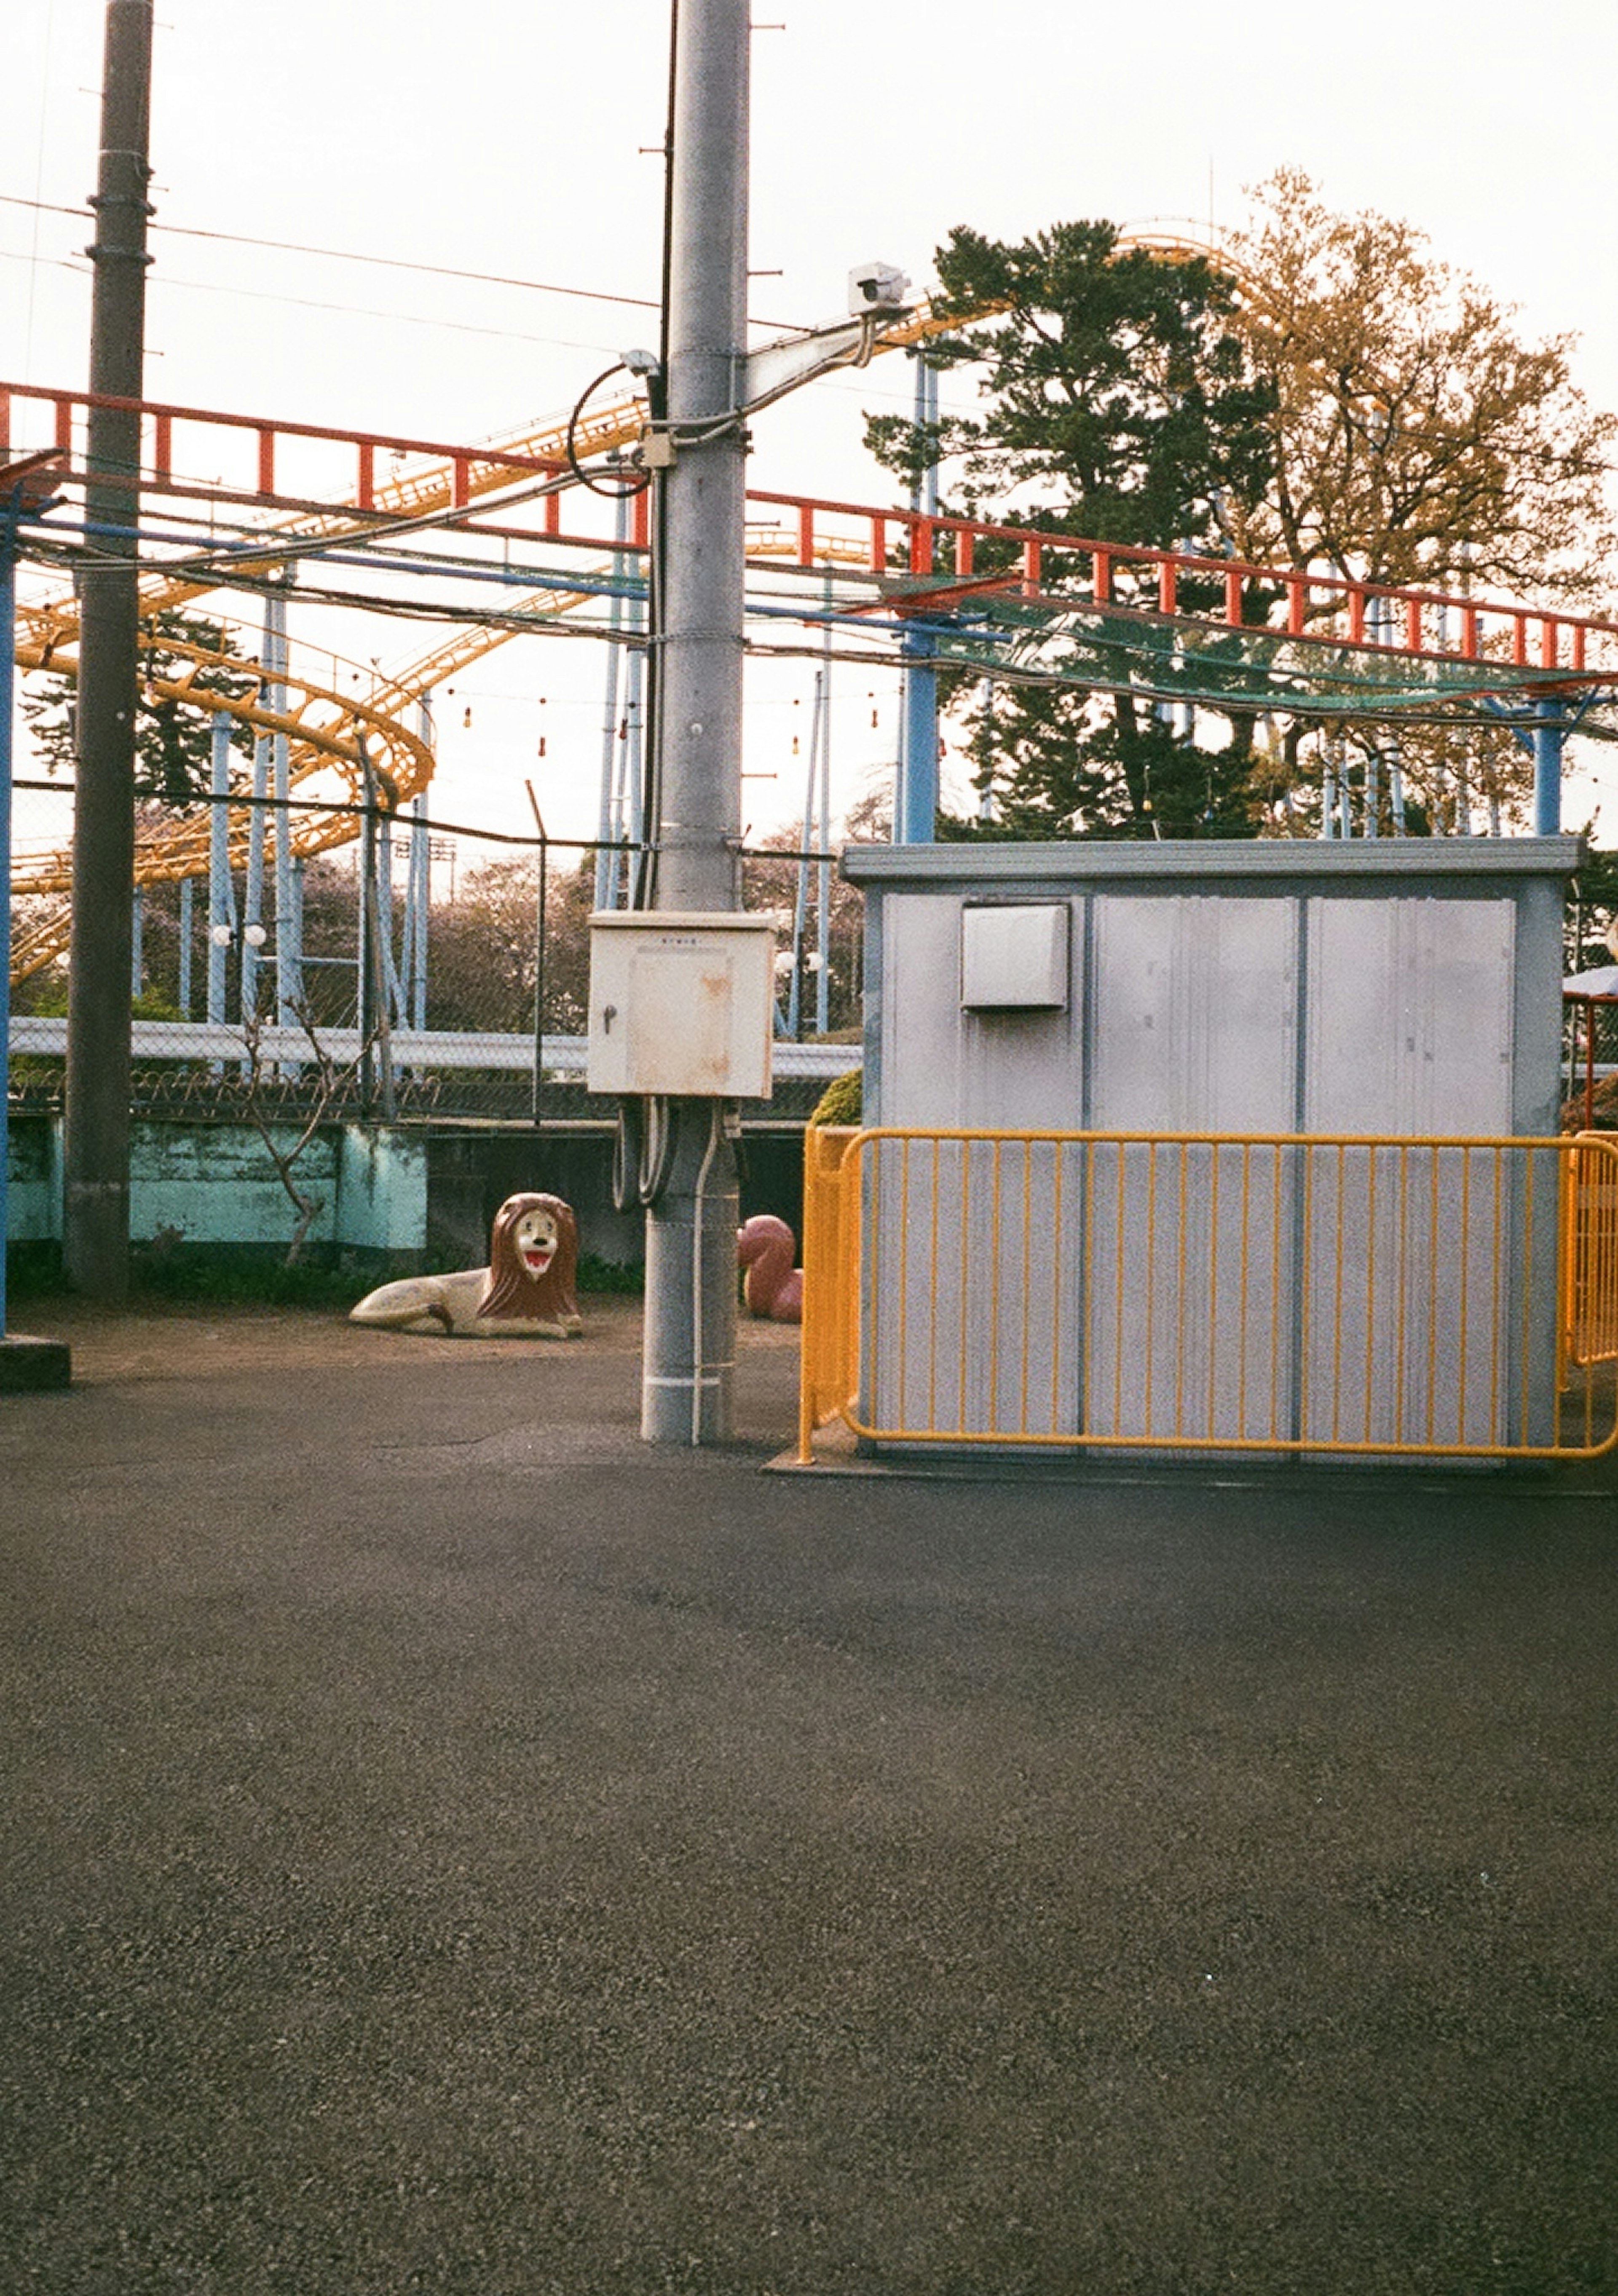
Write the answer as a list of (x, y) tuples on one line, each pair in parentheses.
[(216, 1184), (34, 1173)]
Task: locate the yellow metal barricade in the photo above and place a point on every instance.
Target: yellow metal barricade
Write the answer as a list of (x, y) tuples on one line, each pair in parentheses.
[(1590, 1265), (1286, 1294), (831, 1284)]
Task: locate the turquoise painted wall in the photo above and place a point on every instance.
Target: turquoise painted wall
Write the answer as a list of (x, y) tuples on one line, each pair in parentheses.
[(215, 1184)]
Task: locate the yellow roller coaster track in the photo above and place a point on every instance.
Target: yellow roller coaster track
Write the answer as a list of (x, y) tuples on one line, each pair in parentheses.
[(323, 728)]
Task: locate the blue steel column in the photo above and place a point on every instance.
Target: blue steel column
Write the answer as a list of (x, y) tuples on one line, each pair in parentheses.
[(220, 901), (187, 900), (1549, 733), (289, 956), (421, 886), (421, 878), (916, 807), (610, 743), (252, 905)]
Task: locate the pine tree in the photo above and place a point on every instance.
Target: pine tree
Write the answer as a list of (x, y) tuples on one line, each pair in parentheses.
[(1120, 405), (173, 743)]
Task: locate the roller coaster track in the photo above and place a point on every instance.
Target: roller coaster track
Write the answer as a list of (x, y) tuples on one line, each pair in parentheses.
[(325, 729), (333, 734)]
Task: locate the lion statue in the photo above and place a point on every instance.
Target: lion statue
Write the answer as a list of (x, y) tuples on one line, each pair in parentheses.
[(527, 1291)]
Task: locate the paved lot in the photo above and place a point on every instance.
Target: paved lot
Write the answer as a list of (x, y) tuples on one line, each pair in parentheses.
[(450, 1848)]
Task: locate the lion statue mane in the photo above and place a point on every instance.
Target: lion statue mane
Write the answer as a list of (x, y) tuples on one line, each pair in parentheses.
[(527, 1291)]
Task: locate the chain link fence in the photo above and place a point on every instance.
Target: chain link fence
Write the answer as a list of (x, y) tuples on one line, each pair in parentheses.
[(412, 973)]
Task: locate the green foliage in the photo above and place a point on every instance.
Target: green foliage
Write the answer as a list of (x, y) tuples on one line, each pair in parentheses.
[(173, 740), (1118, 389), (620, 1278), (1120, 405), (842, 1100)]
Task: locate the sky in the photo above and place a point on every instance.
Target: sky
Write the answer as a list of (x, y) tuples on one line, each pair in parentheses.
[(510, 137)]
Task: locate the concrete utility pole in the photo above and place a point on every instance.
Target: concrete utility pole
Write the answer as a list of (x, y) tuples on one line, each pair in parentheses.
[(691, 1254), (95, 1212)]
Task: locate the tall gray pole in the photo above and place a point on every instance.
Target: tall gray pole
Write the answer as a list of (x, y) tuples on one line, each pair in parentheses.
[(96, 1210), (691, 1256)]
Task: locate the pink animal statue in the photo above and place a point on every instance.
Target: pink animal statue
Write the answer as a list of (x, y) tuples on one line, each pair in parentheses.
[(773, 1287)]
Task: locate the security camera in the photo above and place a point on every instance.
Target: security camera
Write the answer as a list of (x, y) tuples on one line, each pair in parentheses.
[(876, 287)]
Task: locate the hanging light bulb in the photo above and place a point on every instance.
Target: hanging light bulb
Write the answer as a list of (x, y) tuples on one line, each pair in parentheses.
[(467, 719)]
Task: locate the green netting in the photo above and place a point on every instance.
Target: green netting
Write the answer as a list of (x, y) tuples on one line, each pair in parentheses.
[(1118, 649)]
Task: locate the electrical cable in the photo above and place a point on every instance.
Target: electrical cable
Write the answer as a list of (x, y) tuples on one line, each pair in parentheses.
[(643, 1150), (635, 486), (699, 1204), (384, 262)]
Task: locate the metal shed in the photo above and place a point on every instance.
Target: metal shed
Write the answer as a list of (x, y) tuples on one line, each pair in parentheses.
[(1212, 1143)]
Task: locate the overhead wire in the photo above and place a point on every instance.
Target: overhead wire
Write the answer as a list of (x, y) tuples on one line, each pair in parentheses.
[(392, 263)]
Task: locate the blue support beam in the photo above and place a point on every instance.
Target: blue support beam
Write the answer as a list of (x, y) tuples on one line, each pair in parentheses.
[(915, 799), (1549, 733), (915, 821), (221, 901)]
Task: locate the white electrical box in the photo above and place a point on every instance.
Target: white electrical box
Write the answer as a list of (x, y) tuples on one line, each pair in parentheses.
[(682, 1003), (1014, 956)]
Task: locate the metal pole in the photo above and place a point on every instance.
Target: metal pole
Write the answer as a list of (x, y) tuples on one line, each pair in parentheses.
[(221, 903), (364, 1001), (96, 1202), (1396, 784), (252, 903), (542, 919), (1549, 733), (823, 903), (630, 819), (393, 988), (610, 729), (794, 1003), (137, 941), (289, 975), (187, 928), (421, 886), (421, 878), (691, 1256)]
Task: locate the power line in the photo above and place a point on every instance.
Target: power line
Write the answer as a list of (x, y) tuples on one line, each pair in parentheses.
[(308, 303), (387, 263)]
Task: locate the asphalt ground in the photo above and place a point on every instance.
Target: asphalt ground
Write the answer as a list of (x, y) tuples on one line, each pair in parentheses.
[(450, 1848)]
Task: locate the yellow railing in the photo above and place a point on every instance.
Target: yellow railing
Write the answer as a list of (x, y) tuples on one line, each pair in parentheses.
[(831, 1290), (1589, 1252), (1191, 1291)]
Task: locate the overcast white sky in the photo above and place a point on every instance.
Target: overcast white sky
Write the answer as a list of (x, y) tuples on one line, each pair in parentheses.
[(505, 136)]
